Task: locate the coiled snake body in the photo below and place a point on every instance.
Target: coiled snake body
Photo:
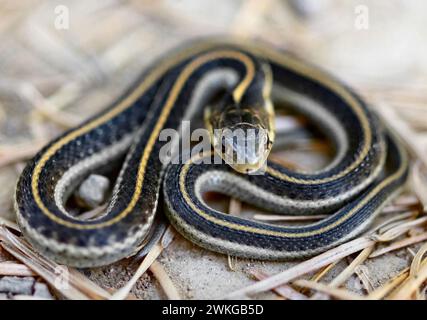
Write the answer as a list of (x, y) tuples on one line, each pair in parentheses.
[(236, 81)]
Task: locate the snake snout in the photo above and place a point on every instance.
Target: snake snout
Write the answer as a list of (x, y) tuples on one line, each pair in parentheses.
[(244, 146)]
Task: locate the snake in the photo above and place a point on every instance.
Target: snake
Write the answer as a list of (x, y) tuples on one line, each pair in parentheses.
[(218, 84)]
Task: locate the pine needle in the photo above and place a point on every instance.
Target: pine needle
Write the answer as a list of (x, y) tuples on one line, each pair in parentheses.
[(351, 268), (333, 292), (165, 281), (285, 291), (412, 284), (382, 291), (327, 257), (305, 267), (154, 253), (399, 245), (10, 268), (9, 224), (416, 262), (69, 283)]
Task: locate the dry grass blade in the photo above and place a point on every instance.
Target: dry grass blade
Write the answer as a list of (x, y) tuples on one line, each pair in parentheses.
[(93, 213), (328, 257), (21, 153), (165, 281), (284, 290), (9, 224), (155, 251), (67, 282), (305, 267), (231, 262), (416, 262), (405, 280), (382, 291), (235, 207), (351, 268), (333, 292), (362, 273), (399, 245), (9, 268), (49, 275), (319, 275), (422, 294), (88, 287), (123, 292), (395, 220), (411, 284), (405, 200), (399, 208), (400, 229), (348, 271)]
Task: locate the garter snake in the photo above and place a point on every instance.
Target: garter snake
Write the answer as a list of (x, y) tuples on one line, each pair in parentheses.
[(369, 168)]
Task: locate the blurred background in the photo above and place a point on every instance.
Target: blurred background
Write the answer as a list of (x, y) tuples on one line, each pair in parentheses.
[(61, 61)]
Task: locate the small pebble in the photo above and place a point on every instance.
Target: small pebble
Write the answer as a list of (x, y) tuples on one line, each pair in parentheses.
[(17, 285), (93, 191)]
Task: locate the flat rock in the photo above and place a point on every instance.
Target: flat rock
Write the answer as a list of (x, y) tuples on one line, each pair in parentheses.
[(17, 285)]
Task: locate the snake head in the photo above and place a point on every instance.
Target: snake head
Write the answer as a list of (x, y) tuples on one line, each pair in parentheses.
[(242, 135)]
